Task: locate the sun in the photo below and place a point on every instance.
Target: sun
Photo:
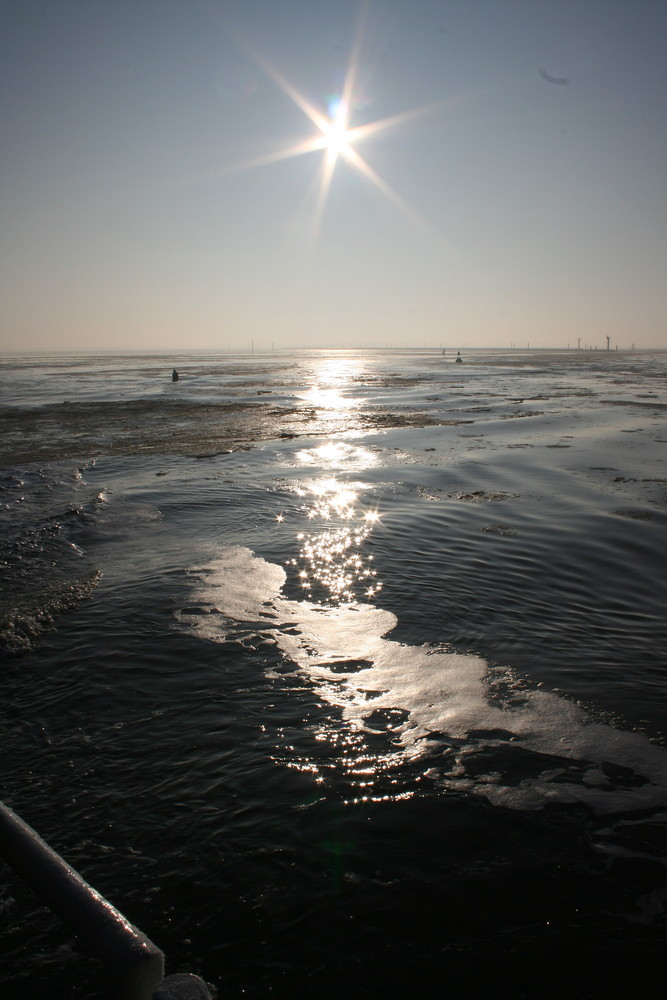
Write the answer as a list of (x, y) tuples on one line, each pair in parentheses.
[(335, 137)]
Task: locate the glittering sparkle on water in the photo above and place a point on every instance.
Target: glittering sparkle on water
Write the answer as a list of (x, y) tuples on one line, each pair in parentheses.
[(331, 566)]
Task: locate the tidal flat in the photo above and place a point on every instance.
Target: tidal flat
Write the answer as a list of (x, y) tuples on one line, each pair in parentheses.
[(342, 672)]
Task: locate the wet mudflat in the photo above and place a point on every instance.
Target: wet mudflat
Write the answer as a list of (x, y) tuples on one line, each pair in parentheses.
[(366, 686)]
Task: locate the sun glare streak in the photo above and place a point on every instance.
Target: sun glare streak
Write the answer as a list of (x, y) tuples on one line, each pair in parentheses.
[(308, 146), (317, 118), (392, 121), (367, 171)]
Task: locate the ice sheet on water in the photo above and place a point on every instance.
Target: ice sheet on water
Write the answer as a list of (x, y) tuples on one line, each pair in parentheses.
[(526, 751)]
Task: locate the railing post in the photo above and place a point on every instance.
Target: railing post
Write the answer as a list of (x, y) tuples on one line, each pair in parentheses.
[(134, 962), (182, 986)]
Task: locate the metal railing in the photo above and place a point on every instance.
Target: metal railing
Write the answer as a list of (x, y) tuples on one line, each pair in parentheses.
[(134, 962)]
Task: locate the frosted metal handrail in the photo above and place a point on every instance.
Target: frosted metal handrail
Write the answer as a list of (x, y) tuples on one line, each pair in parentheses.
[(136, 963)]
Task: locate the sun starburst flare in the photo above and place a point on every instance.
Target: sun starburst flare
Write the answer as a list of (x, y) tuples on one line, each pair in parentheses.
[(335, 137)]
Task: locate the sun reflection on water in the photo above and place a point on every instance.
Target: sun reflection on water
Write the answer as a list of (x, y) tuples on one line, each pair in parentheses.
[(369, 773), (330, 565), (333, 383), (338, 455), (327, 398), (333, 573)]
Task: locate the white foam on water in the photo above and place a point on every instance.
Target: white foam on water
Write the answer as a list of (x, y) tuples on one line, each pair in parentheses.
[(441, 704)]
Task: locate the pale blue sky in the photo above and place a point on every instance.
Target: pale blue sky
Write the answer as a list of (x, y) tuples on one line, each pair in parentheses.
[(526, 209)]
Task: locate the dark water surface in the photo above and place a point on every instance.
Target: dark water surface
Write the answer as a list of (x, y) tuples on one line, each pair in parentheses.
[(342, 673)]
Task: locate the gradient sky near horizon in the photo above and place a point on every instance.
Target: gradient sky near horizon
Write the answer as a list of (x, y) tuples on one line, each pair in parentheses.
[(507, 184)]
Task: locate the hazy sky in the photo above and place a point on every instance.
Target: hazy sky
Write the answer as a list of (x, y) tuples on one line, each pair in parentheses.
[(143, 206)]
